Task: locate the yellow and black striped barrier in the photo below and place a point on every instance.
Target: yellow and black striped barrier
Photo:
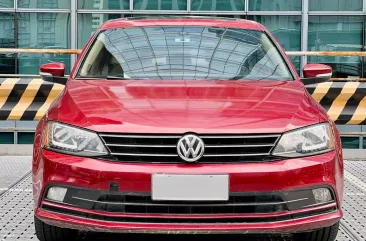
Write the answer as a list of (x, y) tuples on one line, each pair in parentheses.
[(29, 99), (26, 99), (345, 102)]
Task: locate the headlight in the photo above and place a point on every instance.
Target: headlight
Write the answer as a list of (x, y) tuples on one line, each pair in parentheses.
[(305, 142), (73, 140)]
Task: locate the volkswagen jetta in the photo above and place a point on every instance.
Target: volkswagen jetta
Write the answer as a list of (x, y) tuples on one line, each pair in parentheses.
[(186, 125)]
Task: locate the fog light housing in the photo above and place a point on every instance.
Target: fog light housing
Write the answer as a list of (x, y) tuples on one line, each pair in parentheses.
[(56, 193), (322, 195)]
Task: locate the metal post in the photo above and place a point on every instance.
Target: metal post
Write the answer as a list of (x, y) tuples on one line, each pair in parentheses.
[(15, 137), (16, 35), (131, 5), (304, 32), (73, 34), (361, 142)]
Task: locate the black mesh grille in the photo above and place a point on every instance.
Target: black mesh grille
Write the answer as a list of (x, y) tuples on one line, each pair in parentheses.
[(235, 204)]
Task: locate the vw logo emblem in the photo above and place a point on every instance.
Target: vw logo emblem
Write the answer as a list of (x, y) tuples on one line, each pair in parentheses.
[(190, 148)]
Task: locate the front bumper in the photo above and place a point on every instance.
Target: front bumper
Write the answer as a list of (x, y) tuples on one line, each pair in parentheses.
[(51, 168), (286, 227)]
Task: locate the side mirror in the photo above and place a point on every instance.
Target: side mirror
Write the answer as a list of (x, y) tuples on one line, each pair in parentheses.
[(53, 72), (316, 73)]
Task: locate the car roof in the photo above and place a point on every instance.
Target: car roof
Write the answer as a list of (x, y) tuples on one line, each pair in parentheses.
[(182, 20)]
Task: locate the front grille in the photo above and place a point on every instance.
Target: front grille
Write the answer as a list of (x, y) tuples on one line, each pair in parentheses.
[(163, 148), (139, 207), (236, 204)]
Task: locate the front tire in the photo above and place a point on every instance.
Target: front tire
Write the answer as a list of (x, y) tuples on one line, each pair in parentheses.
[(47, 232), (324, 234)]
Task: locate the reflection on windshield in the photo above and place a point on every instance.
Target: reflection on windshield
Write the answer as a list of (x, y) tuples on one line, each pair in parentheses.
[(184, 52)]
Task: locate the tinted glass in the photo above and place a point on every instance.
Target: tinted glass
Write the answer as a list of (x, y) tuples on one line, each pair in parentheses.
[(44, 31), (7, 40), (104, 4), (160, 5), (184, 52), (6, 138), (335, 5), (25, 137), (350, 142), (287, 30), (337, 33), (6, 3), (218, 5), (275, 5), (60, 4)]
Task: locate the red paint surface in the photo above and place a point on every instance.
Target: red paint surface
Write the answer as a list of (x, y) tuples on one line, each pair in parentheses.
[(56, 69), (312, 70), (186, 106)]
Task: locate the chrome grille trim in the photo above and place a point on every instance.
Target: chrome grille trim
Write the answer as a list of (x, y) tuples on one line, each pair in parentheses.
[(142, 154), (222, 155), (139, 136), (179, 136), (171, 146), (162, 148), (239, 136), (213, 155), (228, 146), (134, 145)]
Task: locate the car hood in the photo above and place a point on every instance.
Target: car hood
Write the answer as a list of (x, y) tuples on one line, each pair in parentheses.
[(146, 106)]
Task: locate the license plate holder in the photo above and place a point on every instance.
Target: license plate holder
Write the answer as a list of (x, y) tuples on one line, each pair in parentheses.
[(177, 187)]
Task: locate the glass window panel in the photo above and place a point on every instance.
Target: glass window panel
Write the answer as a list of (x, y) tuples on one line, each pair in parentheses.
[(364, 143), (275, 5), (6, 3), (104, 4), (6, 137), (44, 31), (25, 137), (350, 142), (88, 23), (287, 30), (7, 40), (336, 33), (335, 5), (160, 5), (53, 4), (218, 5), (250, 54)]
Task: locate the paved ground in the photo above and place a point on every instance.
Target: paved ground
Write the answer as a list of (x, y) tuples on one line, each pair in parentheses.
[(16, 207)]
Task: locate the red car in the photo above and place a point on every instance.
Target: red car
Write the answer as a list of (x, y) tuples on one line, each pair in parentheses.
[(186, 125)]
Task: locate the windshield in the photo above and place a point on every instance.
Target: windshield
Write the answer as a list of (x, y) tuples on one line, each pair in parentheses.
[(184, 53)]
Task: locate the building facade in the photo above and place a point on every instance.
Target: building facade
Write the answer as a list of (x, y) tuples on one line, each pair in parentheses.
[(299, 25)]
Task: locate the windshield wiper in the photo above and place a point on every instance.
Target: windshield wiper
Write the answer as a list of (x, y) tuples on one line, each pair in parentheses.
[(115, 77)]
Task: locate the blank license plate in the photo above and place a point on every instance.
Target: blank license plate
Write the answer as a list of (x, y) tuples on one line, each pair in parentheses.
[(190, 187)]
